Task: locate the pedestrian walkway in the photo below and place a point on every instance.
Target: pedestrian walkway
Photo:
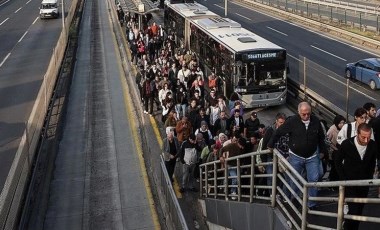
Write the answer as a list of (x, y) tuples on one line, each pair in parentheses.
[(99, 180)]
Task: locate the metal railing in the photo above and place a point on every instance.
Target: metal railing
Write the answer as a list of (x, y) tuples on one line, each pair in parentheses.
[(171, 201), (358, 28), (286, 192)]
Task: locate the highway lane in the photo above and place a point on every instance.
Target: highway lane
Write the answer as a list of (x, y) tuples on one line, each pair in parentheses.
[(26, 47), (329, 53), (14, 16)]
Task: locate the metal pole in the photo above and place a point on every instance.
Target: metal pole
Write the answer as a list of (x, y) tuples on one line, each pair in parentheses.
[(304, 208), (345, 17), (340, 217), (286, 5), (304, 76), (225, 8), (347, 97), (274, 179), (63, 17), (360, 21), (377, 24)]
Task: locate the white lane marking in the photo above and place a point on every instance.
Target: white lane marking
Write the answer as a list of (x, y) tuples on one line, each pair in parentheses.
[(35, 20), (23, 36), (352, 88), (18, 9), (277, 31), (315, 32), (243, 16), (218, 6), (6, 57), (4, 3), (328, 53), (4, 21), (28, 2)]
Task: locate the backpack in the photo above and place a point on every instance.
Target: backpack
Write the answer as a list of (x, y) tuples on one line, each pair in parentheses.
[(148, 89), (349, 130)]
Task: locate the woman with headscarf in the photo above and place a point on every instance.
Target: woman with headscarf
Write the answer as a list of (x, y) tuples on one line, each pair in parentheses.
[(332, 135)]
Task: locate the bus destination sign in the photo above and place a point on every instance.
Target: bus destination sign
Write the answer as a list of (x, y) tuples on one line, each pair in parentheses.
[(263, 56)]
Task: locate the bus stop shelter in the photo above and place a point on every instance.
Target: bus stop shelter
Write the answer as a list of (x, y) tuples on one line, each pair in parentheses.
[(139, 7)]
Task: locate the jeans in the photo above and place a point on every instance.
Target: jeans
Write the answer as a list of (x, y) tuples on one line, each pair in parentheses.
[(311, 166), (233, 172), (179, 108), (188, 176)]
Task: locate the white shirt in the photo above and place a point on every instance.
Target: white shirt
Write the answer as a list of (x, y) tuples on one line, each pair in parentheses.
[(361, 148), (342, 135)]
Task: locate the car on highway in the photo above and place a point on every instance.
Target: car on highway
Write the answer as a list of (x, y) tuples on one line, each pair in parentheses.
[(49, 9), (366, 71)]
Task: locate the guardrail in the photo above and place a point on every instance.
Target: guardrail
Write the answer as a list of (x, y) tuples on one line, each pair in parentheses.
[(288, 190), (345, 5), (347, 35), (170, 200), (12, 195)]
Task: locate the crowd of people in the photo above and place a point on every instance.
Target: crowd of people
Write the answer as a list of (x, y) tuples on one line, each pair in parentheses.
[(203, 126)]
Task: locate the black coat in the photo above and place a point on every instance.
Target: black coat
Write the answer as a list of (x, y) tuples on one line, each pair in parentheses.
[(303, 142), (353, 167)]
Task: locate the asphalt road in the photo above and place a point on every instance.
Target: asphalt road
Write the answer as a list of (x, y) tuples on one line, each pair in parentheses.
[(25, 50), (330, 56)]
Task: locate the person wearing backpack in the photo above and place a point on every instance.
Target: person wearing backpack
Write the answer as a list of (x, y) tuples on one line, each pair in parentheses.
[(147, 93), (350, 129)]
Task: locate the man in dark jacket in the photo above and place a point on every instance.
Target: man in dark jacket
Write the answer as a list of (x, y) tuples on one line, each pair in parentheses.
[(251, 125), (228, 151), (356, 160), (189, 157), (306, 144)]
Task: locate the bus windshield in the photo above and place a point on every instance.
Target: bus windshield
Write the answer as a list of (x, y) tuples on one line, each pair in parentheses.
[(260, 74)]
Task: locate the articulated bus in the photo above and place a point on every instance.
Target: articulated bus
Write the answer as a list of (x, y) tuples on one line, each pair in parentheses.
[(177, 19), (250, 66)]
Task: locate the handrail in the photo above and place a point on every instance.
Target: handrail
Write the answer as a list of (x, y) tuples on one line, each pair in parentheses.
[(209, 188)]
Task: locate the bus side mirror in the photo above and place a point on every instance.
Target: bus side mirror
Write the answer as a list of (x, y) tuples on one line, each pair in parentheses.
[(287, 69)]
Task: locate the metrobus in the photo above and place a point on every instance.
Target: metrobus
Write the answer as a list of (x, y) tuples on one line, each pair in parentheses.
[(177, 19), (250, 66)]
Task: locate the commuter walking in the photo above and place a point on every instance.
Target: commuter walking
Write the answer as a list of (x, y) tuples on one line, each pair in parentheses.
[(189, 157), (350, 129), (371, 111), (170, 151), (356, 160), (147, 93), (332, 135), (279, 145), (306, 145), (228, 151), (251, 125), (183, 129)]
